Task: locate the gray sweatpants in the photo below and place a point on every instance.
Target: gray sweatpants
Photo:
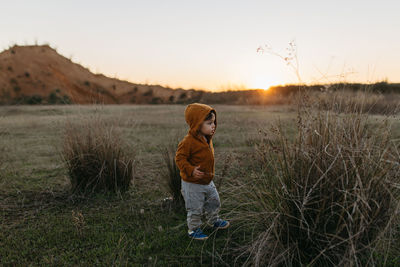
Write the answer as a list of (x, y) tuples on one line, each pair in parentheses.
[(198, 197)]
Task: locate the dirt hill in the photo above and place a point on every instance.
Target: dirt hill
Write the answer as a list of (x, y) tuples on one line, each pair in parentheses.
[(38, 74)]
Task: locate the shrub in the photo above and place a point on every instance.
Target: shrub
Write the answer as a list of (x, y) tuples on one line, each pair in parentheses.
[(32, 100), (148, 93), (17, 89), (325, 197), (95, 159), (66, 100), (156, 100), (53, 98), (182, 95)]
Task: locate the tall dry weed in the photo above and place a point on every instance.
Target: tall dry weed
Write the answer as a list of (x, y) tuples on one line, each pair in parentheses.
[(326, 197)]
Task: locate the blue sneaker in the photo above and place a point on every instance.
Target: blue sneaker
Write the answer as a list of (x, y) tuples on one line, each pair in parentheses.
[(221, 224), (197, 234)]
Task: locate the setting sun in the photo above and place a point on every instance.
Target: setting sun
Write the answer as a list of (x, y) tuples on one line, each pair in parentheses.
[(262, 83)]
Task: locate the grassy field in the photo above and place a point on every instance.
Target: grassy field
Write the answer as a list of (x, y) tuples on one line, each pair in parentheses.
[(41, 224)]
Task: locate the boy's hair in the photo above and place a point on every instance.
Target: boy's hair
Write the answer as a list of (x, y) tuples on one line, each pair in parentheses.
[(209, 116)]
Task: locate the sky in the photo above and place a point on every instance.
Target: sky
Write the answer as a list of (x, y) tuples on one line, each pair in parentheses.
[(212, 45)]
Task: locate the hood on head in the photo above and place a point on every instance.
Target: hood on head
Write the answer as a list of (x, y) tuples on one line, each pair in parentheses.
[(195, 114)]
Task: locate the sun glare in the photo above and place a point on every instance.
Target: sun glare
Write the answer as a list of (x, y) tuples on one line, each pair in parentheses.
[(262, 83)]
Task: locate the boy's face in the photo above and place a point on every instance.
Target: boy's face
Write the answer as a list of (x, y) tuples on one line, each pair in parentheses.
[(208, 126)]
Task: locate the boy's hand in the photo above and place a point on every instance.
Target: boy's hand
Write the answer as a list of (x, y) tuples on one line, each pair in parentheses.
[(197, 173)]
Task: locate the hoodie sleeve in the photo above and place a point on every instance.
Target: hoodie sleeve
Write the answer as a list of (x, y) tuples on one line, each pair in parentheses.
[(181, 156)]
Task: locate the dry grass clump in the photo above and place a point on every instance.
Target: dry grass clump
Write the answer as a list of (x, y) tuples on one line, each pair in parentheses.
[(94, 153), (326, 197), (172, 176)]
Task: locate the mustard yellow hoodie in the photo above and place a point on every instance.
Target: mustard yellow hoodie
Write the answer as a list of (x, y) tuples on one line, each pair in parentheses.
[(193, 150)]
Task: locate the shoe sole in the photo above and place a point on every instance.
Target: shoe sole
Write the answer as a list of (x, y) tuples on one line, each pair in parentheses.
[(224, 227), (201, 238)]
